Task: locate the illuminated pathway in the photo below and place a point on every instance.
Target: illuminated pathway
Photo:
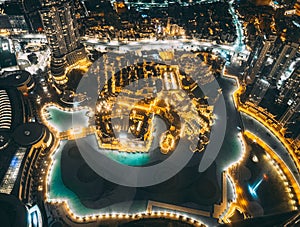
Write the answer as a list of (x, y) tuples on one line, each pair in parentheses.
[(271, 144), (260, 133), (265, 130), (272, 141), (281, 167), (278, 167)]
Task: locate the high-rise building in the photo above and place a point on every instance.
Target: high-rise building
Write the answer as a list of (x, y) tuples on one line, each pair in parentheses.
[(287, 53), (7, 56), (259, 90), (27, 9), (31, 12), (63, 37), (13, 24), (291, 112), (5, 45), (291, 87), (263, 47)]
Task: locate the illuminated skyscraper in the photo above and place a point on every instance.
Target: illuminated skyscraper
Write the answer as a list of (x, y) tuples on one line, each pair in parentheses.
[(287, 53), (258, 57), (291, 87), (63, 37), (259, 90), (291, 112)]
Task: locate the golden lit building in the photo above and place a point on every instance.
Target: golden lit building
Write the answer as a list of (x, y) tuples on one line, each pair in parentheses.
[(63, 37)]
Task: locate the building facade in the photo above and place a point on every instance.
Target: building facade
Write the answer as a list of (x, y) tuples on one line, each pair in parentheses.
[(263, 47), (291, 112), (63, 37), (291, 88), (259, 90), (287, 53)]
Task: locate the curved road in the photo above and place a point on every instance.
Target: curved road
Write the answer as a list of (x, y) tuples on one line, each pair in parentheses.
[(272, 141)]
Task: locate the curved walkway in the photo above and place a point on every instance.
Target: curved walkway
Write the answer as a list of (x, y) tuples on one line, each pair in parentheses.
[(260, 124), (254, 126)]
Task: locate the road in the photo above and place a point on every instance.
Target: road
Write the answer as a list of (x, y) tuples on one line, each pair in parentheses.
[(271, 140)]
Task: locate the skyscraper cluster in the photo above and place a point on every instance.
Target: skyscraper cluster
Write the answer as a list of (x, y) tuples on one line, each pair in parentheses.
[(274, 65)]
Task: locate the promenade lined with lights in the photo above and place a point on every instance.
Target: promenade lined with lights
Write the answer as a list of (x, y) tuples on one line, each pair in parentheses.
[(91, 219), (265, 118), (101, 216), (284, 171), (281, 168), (239, 202)]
